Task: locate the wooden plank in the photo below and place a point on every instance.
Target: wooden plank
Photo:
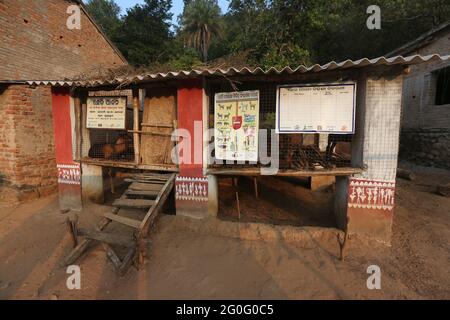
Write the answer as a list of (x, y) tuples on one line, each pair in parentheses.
[(150, 133), (127, 260), (285, 173), (112, 256), (160, 182), (157, 125), (84, 244), (159, 202), (77, 111), (151, 193), (133, 203), (139, 186), (127, 164), (109, 238), (123, 220), (162, 177), (137, 157)]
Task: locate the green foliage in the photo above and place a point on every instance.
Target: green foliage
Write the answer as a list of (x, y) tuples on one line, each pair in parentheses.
[(106, 14), (200, 22), (269, 32)]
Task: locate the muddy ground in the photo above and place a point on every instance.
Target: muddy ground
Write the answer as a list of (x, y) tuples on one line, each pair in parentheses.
[(191, 260)]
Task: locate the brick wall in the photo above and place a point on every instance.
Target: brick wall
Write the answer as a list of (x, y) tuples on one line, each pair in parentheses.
[(35, 43), (425, 137), (27, 160)]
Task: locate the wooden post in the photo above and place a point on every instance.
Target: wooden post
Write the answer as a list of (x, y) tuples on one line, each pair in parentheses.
[(77, 111), (136, 107)]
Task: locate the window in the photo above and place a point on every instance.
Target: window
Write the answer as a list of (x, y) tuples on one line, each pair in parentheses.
[(443, 86)]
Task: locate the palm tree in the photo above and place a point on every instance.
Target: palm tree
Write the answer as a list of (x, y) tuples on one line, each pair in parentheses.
[(201, 21)]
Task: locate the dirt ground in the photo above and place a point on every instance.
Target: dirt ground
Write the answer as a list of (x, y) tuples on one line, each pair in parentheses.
[(193, 260)]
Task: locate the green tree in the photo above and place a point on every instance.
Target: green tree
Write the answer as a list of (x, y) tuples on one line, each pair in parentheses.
[(106, 14), (145, 36), (201, 22)]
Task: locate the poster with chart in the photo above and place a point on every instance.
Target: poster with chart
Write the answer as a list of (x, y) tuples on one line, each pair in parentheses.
[(324, 108), (236, 123)]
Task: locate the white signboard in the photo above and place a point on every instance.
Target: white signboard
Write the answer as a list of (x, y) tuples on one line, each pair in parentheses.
[(324, 108), (236, 123), (106, 112)]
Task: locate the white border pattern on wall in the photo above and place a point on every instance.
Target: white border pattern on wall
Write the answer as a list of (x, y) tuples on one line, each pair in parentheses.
[(191, 189), (366, 194), (69, 174)]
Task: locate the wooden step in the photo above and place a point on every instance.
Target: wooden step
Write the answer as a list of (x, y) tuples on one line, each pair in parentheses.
[(123, 220), (105, 237), (151, 193), (133, 203), (152, 181), (138, 186)]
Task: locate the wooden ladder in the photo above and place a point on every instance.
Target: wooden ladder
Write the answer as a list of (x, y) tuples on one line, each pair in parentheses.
[(147, 191)]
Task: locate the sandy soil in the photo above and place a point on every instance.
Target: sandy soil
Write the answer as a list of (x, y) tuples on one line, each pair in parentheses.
[(184, 264)]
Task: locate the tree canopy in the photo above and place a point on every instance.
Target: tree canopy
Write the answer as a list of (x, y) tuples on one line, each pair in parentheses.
[(264, 32)]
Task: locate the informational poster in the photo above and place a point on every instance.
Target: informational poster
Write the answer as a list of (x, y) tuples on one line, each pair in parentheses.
[(106, 112), (324, 108), (236, 123)]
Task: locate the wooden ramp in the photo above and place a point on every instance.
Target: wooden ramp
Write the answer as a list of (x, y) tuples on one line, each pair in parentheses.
[(147, 191)]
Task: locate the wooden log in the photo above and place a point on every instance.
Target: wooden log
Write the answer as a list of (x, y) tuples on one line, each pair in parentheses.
[(405, 174)]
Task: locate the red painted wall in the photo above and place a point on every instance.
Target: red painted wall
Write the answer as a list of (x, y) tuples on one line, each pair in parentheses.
[(69, 173), (190, 110), (62, 125)]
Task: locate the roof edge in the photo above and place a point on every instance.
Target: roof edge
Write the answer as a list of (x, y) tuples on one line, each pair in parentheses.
[(244, 71)]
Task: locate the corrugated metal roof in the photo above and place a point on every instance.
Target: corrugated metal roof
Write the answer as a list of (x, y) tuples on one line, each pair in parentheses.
[(183, 74)]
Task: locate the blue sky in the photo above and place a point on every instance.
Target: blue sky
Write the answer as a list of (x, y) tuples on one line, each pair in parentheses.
[(177, 6)]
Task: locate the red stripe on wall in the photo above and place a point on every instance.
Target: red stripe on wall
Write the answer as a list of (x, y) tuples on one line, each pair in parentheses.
[(62, 125), (190, 110)]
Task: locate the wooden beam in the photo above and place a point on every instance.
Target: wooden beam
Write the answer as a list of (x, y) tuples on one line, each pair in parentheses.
[(107, 237), (285, 173), (151, 214), (157, 126), (78, 121), (136, 107), (85, 243), (123, 220), (130, 165), (150, 193), (126, 263), (112, 256)]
